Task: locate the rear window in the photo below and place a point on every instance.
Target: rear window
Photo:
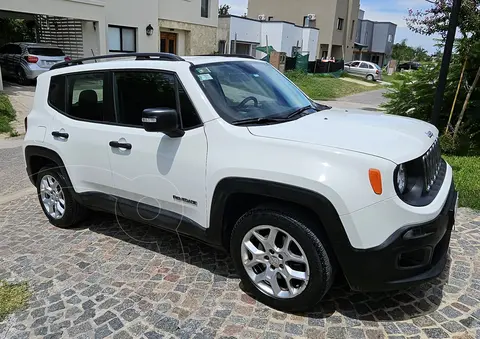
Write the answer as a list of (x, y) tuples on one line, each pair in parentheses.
[(46, 51)]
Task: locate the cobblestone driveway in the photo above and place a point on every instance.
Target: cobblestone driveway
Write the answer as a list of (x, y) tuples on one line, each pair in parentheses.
[(119, 279)]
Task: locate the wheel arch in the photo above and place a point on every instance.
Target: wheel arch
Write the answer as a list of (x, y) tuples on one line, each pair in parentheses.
[(234, 196), (37, 157)]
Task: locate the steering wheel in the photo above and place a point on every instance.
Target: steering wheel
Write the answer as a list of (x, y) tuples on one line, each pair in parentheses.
[(247, 99)]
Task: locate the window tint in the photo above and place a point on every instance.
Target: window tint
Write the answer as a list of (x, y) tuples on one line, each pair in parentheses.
[(86, 97), (137, 91), (363, 65), (56, 93), (340, 24), (371, 67), (46, 51)]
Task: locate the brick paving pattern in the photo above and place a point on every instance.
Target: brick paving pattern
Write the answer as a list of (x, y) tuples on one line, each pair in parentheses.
[(117, 279)]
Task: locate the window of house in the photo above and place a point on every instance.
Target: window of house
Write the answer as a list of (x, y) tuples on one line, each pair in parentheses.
[(390, 38), (85, 97), (136, 91), (221, 46), (205, 8), (122, 39), (270, 18), (352, 30), (340, 24), (56, 93)]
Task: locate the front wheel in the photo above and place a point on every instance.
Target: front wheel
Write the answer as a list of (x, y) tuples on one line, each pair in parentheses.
[(280, 259)]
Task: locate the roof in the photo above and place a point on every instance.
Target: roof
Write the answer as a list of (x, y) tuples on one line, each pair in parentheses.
[(35, 44), (266, 21), (198, 60)]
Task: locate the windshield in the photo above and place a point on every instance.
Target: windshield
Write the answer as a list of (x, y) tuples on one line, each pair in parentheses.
[(242, 90)]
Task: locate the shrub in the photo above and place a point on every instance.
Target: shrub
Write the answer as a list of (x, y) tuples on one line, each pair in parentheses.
[(7, 114)]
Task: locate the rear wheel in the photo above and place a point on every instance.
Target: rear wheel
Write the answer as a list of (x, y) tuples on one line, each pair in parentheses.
[(280, 259), (22, 76), (57, 200), (370, 77)]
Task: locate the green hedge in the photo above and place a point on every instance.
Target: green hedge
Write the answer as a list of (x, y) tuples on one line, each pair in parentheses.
[(7, 114)]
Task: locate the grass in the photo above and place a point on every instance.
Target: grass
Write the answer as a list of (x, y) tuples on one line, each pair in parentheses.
[(326, 88), (388, 78), (466, 171), (12, 297), (7, 114)]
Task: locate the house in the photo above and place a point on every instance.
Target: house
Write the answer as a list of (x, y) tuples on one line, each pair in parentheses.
[(87, 27), (239, 35), (374, 40), (335, 19)]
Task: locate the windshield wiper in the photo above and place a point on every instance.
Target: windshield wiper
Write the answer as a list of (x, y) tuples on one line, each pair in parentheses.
[(300, 111), (258, 120)]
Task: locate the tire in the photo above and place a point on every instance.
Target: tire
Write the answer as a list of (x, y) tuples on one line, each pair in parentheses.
[(319, 269), (22, 77), (370, 77), (73, 212)]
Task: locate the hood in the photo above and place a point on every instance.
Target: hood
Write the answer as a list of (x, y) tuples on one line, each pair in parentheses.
[(391, 137)]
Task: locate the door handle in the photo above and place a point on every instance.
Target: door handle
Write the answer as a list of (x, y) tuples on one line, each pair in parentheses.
[(116, 144), (58, 134)]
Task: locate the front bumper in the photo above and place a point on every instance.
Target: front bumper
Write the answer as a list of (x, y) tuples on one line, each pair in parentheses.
[(411, 255)]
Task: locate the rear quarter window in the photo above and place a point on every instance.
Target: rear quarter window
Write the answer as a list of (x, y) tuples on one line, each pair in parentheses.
[(56, 93), (46, 51)]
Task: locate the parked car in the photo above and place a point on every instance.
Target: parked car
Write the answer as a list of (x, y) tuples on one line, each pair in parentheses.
[(412, 65), (364, 69), (227, 150), (26, 61)]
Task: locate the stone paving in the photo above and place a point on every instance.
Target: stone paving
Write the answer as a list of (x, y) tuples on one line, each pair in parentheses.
[(119, 279)]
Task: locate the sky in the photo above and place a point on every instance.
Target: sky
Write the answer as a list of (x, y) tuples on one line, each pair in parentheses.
[(377, 10)]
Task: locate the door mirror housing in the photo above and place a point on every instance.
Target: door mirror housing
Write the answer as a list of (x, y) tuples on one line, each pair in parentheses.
[(163, 120)]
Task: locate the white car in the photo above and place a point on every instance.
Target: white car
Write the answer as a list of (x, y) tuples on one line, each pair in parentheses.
[(228, 151)]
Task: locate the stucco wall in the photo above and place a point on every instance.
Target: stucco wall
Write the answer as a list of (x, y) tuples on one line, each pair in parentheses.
[(199, 39), (246, 30), (187, 11)]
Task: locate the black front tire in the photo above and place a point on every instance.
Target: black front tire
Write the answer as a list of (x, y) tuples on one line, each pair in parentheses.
[(322, 267), (74, 212)]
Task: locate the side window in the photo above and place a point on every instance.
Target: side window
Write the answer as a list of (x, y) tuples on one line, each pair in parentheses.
[(355, 64), (136, 91), (371, 67), (363, 65), (86, 97), (56, 93)]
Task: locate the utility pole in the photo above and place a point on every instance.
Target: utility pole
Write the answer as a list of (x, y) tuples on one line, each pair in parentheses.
[(447, 55)]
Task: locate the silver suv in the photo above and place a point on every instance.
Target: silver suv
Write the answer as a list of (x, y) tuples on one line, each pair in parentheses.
[(26, 60)]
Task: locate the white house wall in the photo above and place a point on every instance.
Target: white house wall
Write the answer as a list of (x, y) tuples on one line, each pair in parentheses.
[(291, 35), (186, 11), (310, 42), (246, 30)]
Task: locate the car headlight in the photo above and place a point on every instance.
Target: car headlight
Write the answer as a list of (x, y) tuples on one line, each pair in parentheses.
[(401, 179)]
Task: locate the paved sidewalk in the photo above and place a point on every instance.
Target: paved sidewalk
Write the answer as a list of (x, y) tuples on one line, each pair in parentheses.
[(370, 100)]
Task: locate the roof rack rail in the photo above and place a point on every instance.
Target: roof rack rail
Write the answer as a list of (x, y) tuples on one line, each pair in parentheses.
[(137, 56), (231, 55)]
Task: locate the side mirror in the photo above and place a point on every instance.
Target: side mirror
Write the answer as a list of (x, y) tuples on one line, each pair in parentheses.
[(163, 120)]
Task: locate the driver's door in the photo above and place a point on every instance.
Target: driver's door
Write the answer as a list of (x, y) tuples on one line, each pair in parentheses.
[(158, 173)]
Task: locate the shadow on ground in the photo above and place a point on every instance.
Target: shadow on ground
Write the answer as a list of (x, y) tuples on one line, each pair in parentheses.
[(365, 307)]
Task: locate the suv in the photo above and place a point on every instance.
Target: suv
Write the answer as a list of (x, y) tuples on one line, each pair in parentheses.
[(227, 150), (27, 60)]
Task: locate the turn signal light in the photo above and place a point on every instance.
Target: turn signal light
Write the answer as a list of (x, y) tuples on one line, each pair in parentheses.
[(375, 180)]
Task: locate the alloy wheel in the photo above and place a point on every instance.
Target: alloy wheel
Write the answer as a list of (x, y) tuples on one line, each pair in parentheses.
[(275, 262), (52, 196)]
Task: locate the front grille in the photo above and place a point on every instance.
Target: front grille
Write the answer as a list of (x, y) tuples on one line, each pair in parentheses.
[(431, 165)]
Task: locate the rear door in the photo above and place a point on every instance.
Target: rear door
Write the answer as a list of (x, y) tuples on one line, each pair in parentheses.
[(363, 69), (79, 133)]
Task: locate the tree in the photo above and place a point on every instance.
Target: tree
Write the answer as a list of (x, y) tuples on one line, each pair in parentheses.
[(402, 52), (223, 10)]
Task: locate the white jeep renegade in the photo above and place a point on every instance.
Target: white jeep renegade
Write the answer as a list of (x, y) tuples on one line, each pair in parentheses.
[(228, 151)]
